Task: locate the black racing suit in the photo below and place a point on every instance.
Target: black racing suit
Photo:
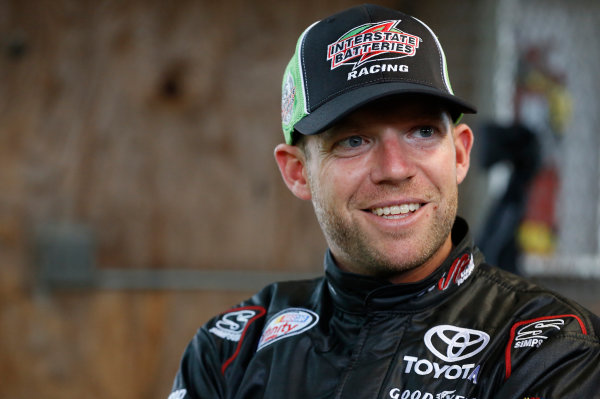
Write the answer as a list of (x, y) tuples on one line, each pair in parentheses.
[(467, 331)]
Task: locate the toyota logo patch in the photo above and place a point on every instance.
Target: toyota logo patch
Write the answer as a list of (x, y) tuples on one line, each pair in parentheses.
[(452, 344)]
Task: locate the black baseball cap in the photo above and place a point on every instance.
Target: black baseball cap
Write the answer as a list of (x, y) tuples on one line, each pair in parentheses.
[(357, 56)]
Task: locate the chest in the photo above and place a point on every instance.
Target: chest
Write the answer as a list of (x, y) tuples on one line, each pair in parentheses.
[(387, 355)]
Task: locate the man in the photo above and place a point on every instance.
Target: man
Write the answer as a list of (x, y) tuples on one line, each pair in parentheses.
[(407, 307)]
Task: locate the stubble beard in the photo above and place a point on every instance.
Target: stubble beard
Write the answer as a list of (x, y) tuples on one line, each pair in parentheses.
[(353, 244)]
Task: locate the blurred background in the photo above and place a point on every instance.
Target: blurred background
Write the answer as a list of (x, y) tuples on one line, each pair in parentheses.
[(139, 195)]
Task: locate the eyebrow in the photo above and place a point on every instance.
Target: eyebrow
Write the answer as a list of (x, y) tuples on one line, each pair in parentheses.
[(342, 127), (348, 124)]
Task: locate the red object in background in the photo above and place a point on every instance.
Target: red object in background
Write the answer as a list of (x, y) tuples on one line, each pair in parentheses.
[(542, 198)]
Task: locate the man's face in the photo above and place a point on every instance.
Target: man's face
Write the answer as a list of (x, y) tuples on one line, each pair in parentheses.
[(384, 184)]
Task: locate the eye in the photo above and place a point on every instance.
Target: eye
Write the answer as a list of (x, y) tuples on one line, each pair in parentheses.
[(425, 131), (351, 142), (351, 145), (354, 141)]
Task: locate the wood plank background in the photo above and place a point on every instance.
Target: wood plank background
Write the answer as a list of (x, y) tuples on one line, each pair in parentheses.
[(151, 123)]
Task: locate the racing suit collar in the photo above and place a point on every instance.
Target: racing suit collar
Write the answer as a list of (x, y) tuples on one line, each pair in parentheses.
[(358, 293)]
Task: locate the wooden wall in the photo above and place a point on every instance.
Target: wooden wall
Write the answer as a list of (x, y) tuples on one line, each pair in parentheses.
[(152, 123)]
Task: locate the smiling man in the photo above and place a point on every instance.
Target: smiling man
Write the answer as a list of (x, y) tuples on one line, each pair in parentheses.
[(407, 307), (383, 181)]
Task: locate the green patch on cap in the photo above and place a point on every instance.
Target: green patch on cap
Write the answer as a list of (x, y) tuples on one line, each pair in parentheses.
[(293, 102)]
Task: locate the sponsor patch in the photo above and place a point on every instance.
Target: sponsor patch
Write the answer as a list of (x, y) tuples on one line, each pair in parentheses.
[(372, 42), (178, 394), (397, 393), (533, 333), (459, 272), (424, 367), (288, 97), (452, 344), (445, 394), (231, 325), (287, 323)]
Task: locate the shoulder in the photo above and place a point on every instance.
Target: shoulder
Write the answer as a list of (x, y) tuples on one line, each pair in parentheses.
[(222, 348), (272, 298), (292, 293), (526, 302), (243, 324), (535, 330)]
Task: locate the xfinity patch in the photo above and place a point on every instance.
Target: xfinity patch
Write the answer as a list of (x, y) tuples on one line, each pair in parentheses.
[(287, 323)]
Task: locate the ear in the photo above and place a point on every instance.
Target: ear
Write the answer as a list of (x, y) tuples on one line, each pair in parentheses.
[(292, 165), (463, 142)]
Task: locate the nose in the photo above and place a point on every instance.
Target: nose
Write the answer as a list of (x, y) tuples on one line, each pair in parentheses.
[(392, 161)]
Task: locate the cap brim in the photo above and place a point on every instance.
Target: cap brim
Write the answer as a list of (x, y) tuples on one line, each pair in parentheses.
[(329, 113)]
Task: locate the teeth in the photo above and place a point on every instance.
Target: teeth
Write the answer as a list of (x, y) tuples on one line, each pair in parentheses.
[(395, 209)]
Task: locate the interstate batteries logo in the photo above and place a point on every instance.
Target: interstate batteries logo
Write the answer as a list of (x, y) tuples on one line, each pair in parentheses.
[(372, 42)]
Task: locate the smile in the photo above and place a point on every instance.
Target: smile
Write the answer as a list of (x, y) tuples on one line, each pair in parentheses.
[(395, 211)]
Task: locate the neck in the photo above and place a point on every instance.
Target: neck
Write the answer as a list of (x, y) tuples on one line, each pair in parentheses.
[(423, 271)]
